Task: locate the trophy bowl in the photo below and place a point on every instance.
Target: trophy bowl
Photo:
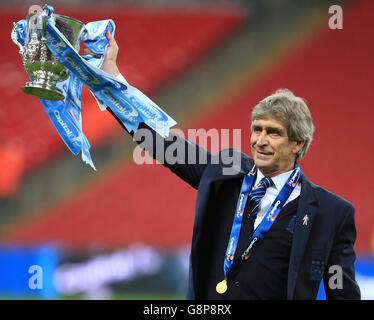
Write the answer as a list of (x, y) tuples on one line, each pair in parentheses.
[(40, 64)]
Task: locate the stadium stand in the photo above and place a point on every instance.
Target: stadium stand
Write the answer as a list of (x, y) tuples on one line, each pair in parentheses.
[(133, 203)]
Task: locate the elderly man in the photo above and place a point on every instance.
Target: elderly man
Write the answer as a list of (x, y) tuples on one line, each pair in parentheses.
[(266, 231)]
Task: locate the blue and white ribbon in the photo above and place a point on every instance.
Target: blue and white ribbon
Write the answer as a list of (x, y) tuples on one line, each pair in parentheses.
[(266, 222), (129, 104)]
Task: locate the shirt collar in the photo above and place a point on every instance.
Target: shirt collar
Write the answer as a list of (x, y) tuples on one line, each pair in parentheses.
[(278, 180)]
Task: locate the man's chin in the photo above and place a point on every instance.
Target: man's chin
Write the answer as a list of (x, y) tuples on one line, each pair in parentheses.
[(263, 165), (262, 161)]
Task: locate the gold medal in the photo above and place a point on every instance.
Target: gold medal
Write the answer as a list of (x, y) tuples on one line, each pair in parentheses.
[(221, 287)]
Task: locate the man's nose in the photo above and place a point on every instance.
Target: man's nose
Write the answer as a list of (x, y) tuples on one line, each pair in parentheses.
[(262, 140)]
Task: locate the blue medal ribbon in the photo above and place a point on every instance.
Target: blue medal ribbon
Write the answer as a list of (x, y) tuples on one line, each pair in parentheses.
[(266, 222)]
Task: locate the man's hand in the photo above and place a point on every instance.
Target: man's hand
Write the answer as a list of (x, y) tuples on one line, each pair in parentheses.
[(110, 60)]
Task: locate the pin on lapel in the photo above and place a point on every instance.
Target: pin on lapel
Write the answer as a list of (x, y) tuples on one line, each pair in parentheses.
[(305, 220)]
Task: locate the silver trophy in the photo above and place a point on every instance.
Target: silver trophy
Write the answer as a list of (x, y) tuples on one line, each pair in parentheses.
[(38, 60)]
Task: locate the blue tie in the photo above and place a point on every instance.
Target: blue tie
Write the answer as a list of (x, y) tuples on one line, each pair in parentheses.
[(258, 193)]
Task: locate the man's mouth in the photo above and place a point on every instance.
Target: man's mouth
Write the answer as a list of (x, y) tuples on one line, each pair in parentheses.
[(262, 153)]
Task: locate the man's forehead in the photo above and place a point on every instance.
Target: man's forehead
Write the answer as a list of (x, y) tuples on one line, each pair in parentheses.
[(269, 122)]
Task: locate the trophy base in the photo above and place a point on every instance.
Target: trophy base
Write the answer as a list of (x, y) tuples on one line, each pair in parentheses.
[(43, 91)]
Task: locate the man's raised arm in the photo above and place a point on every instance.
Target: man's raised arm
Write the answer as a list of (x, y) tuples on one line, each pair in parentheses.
[(184, 158)]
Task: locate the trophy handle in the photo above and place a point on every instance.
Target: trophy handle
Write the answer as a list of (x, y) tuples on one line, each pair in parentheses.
[(13, 36)]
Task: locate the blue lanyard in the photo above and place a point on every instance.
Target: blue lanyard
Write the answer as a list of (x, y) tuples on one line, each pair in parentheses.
[(266, 222)]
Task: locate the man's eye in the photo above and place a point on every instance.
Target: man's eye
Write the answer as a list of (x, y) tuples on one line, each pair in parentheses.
[(275, 134)]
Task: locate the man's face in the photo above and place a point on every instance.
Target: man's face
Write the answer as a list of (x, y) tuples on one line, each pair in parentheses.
[(272, 151)]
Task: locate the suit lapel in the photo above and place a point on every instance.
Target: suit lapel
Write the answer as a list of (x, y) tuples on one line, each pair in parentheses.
[(307, 208)]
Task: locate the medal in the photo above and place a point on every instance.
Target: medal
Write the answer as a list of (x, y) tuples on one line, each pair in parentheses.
[(221, 286)]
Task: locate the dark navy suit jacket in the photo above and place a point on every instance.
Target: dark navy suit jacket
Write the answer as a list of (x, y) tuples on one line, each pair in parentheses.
[(326, 240)]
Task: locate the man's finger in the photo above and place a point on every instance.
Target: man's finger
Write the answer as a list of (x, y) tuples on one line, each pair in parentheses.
[(89, 52), (110, 38)]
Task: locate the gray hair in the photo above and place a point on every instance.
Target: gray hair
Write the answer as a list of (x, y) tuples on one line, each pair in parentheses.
[(293, 112)]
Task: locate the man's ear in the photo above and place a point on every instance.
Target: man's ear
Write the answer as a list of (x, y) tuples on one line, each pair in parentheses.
[(298, 146)]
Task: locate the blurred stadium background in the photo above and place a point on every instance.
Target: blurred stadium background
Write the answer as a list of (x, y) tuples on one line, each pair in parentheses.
[(109, 235)]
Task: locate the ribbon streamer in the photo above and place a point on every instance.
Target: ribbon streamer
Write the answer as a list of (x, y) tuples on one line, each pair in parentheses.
[(129, 104)]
